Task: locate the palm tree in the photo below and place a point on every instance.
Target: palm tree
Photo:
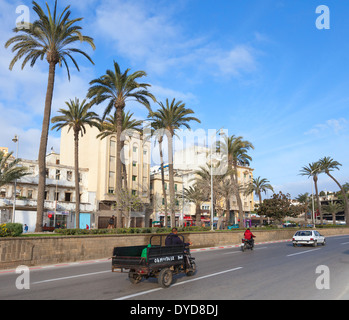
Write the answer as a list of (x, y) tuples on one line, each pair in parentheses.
[(158, 131), (258, 186), (9, 169), (304, 199), (129, 125), (236, 150), (333, 208), (50, 37), (117, 88), (76, 117), (327, 165), (313, 170), (173, 116), (195, 195)]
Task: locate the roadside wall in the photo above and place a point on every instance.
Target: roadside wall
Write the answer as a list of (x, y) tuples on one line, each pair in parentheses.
[(34, 251)]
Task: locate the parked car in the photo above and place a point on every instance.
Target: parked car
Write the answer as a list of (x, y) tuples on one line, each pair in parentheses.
[(308, 237), (234, 226)]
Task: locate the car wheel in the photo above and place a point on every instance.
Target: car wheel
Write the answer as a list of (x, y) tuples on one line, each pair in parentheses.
[(324, 242), (315, 244)]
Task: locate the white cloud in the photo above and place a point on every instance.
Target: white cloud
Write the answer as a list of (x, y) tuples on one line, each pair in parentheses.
[(331, 126), (152, 37)]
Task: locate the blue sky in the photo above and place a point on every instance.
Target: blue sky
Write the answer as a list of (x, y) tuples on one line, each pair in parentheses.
[(260, 69)]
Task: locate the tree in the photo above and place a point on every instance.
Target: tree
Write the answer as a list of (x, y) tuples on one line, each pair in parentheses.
[(236, 150), (195, 195), (313, 170), (157, 128), (327, 165), (278, 207), (50, 36), (173, 116), (10, 169), (76, 117), (333, 208), (117, 88), (303, 198), (258, 186)]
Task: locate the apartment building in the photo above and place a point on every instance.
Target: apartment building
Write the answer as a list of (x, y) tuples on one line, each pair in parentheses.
[(191, 159), (59, 203), (99, 156), (157, 200)]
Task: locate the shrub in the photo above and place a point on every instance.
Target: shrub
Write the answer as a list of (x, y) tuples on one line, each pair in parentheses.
[(11, 229)]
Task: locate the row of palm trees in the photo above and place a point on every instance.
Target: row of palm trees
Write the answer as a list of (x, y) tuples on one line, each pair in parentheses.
[(325, 165), (54, 36)]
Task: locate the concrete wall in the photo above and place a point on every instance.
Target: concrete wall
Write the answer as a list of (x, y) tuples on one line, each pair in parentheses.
[(35, 251)]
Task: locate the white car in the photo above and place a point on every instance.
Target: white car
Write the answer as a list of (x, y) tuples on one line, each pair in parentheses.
[(308, 237)]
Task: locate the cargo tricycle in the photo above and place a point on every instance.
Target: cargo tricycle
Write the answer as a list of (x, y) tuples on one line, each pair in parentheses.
[(154, 260)]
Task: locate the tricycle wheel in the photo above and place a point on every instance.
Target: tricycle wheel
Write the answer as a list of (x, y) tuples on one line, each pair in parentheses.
[(192, 269), (165, 277), (134, 277)]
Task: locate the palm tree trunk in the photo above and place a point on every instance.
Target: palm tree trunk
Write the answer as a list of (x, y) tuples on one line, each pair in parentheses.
[(118, 173), (171, 180), (163, 180), (77, 186), (318, 200), (346, 204), (43, 146), (198, 214), (234, 176)]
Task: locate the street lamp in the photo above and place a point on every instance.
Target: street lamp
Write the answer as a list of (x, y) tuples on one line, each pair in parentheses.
[(15, 140)]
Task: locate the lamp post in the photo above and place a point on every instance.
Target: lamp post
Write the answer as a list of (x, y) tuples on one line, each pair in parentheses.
[(15, 140)]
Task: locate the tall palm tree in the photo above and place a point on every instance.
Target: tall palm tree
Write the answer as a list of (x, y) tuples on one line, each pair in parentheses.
[(117, 88), (158, 131), (313, 170), (173, 116), (236, 150), (10, 169), (129, 125), (258, 186), (50, 37), (76, 117), (327, 164)]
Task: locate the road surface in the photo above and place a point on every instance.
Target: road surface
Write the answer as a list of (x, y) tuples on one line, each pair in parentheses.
[(271, 271)]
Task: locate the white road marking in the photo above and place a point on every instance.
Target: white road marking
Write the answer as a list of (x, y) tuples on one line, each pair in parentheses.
[(178, 284), (71, 277), (294, 254), (345, 243)]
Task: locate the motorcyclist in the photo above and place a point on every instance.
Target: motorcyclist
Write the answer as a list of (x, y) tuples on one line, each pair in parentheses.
[(248, 235)]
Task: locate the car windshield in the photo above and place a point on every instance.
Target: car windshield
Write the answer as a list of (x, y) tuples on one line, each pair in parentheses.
[(303, 233)]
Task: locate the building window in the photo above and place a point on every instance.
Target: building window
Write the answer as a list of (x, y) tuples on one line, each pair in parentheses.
[(69, 175), (58, 174), (30, 194), (134, 178), (67, 197), (134, 192)]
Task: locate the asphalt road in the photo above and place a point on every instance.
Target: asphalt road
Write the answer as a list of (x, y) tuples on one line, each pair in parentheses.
[(271, 271)]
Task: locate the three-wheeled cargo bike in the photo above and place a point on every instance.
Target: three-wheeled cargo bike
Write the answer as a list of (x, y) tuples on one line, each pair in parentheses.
[(154, 260)]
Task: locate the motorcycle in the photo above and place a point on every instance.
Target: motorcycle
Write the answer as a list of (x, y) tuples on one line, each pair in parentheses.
[(247, 244)]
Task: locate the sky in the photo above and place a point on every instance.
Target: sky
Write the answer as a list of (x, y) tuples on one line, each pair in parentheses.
[(259, 69)]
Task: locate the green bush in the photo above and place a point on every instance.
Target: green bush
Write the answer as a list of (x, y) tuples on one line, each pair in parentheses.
[(11, 230)]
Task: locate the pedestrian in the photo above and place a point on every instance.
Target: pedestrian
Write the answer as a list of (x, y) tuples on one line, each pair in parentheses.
[(26, 228), (111, 222)]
